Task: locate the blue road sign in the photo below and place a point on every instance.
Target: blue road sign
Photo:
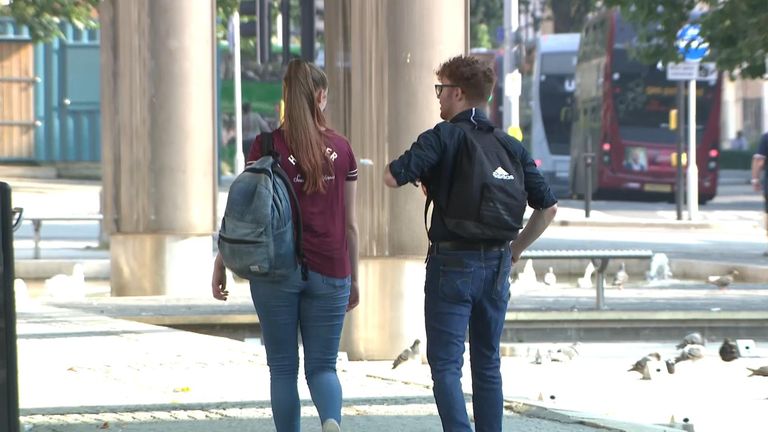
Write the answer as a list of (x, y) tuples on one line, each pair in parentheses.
[(690, 43)]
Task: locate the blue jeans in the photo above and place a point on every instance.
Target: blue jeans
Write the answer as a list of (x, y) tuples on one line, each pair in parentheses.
[(316, 308), (467, 289)]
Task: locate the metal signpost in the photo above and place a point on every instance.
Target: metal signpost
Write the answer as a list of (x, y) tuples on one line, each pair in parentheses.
[(9, 384), (512, 77), (693, 48)]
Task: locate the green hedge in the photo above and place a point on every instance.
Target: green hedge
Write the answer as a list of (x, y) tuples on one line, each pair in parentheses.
[(736, 159), (262, 95)]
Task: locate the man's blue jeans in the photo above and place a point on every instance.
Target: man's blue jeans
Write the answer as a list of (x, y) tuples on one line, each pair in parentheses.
[(316, 308), (467, 289)]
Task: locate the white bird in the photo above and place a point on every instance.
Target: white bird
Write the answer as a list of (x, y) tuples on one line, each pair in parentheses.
[(407, 354), (550, 278), (586, 281), (621, 276), (565, 353), (528, 276), (63, 286)]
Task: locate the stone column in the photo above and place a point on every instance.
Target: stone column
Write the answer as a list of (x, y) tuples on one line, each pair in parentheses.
[(159, 143), (381, 58)]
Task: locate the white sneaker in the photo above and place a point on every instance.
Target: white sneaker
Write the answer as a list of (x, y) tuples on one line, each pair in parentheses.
[(331, 425)]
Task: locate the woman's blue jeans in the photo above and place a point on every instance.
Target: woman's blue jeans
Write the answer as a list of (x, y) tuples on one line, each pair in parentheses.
[(315, 308), (467, 290)]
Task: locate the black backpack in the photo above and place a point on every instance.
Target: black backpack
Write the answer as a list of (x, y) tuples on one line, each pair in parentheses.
[(485, 198), (258, 237)]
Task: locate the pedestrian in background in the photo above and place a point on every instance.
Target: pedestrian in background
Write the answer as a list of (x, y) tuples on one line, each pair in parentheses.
[(760, 174), (467, 279), (323, 171), (739, 142), (253, 125)]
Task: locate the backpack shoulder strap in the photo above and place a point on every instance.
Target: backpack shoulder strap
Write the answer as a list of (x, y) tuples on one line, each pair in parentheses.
[(267, 148)]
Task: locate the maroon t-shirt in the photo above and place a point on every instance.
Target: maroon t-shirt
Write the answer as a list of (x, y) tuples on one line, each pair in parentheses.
[(323, 215)]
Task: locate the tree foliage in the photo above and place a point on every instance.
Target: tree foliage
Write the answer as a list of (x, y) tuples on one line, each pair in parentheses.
[(569, 16), (735, 30), (487, 13), (42, 17)]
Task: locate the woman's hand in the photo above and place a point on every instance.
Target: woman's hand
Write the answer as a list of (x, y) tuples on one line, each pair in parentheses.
[(354, 296), (219, 279)]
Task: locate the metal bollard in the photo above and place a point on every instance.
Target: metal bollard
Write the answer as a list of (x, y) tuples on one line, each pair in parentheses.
[(9, 384)]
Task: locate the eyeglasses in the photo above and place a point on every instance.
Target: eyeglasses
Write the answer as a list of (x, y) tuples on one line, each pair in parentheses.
[(439, 88)]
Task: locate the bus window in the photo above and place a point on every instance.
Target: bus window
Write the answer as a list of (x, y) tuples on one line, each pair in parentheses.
[(642, 99)]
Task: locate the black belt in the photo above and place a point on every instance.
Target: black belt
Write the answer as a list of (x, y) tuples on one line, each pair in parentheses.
[(468, 246)]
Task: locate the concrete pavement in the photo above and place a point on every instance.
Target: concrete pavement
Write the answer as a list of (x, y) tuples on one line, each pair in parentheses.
[(85, 372), (79, 371)]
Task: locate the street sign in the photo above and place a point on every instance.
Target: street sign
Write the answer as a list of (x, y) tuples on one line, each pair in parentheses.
[(682, 71), (690, 43), (707, 72), (691, 71)]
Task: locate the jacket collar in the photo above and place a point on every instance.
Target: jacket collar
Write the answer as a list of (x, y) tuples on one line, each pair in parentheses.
[(474, 116)]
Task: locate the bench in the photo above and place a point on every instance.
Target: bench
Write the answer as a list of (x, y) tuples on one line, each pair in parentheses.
[(599, 258), (37, 225)]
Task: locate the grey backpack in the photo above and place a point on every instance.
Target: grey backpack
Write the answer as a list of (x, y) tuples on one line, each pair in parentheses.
[(258, 238)]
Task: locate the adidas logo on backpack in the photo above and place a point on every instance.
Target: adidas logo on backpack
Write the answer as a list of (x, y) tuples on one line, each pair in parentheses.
[(256, 238), (503, 175)]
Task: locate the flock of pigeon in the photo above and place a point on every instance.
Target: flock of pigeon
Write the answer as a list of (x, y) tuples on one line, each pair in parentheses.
[(659, 270), (691, 348)]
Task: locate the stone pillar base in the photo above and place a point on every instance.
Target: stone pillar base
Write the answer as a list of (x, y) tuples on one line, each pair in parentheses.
[(161, 264), (391, 310)]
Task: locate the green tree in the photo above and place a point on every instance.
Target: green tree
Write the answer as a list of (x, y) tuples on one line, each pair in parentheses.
[(483, 38), (568, 16), (735, 30), (42, 17), (488, 14)]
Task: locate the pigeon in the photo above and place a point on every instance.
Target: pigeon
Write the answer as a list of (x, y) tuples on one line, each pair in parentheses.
[(540, 359), (690, 352), (723, 281), (761, 371), (549, 278), (586, 281), (641, 365), (691, 339), (729, 351), (621, 277), (565, 353), (407, 354)]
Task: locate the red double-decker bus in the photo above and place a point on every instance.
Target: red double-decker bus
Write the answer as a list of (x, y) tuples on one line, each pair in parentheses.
[(621, 116)]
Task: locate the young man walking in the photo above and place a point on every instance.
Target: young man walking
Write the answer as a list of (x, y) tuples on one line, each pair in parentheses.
[(480, 180), (760, 175)]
